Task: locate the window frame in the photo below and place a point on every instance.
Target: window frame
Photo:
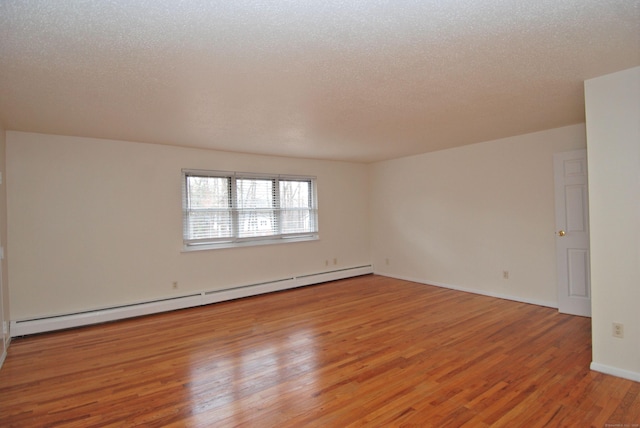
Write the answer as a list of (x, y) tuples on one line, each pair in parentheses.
[(235, 240)]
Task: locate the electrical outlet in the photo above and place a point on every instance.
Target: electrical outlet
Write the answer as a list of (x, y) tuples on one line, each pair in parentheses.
[(335, 260), (505, 274), (618, 330), (175, 285), (386, 262), (326, 262)]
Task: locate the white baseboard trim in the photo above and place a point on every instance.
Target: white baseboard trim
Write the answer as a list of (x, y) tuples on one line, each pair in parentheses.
[(614, 371), (474, 291), (44, 324), (4, 352)]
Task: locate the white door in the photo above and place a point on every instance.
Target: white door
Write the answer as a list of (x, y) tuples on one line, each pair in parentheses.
[(572, 232)]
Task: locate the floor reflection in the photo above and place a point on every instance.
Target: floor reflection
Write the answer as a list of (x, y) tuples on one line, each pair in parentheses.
[(231, 387)]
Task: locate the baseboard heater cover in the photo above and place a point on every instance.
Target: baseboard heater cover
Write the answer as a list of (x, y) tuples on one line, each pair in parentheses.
[(59, 322)]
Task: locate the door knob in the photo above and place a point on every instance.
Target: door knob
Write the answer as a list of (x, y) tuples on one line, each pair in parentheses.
[(562, 233)]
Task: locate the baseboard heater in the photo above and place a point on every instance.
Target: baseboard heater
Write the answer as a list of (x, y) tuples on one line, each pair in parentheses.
[(59, 322)]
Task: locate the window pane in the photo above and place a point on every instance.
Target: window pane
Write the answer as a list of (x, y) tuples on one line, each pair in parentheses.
[(254, 193), (256, 223), (295, 194), (296, 221), (256, 214), (295, 202), (208, 192), (208, 208), (211, 224)]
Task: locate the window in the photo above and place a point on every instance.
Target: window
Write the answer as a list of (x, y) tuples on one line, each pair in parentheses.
[(222, 209)]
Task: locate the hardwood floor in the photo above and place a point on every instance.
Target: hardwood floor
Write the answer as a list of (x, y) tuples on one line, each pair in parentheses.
[(368, 351)]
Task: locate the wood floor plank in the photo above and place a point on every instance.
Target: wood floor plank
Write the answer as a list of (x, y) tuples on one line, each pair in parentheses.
[(366, 351)]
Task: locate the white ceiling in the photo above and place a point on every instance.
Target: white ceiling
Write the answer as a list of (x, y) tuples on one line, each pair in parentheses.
[(351, 80)]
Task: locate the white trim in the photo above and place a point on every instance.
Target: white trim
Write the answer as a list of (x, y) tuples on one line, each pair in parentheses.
[(50, 323), (4, 351), (614, 371), (250, 243), (474, 291), (240, 174)]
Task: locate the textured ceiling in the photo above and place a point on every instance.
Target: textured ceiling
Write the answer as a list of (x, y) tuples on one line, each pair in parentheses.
[(360, 80)]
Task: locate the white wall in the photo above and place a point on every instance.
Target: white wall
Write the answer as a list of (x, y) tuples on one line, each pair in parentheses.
[(613, 140), (460, 217), (4, 289), (96, 223)]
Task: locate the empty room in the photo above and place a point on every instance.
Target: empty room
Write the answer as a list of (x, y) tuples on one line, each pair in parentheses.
[(340, 213)]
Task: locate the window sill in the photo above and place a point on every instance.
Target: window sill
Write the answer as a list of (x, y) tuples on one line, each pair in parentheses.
[(225, 245)]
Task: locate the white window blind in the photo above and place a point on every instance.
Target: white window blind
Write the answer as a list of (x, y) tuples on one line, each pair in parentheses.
[(222, 208)]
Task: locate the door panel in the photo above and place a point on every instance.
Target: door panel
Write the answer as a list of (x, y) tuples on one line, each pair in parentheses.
[(576, 208), (578, 273)]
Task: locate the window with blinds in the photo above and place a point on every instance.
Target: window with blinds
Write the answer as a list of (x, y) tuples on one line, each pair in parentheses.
[(222, 209)]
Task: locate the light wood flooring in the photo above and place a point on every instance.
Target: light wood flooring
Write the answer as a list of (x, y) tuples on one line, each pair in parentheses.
[(367, 351)]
